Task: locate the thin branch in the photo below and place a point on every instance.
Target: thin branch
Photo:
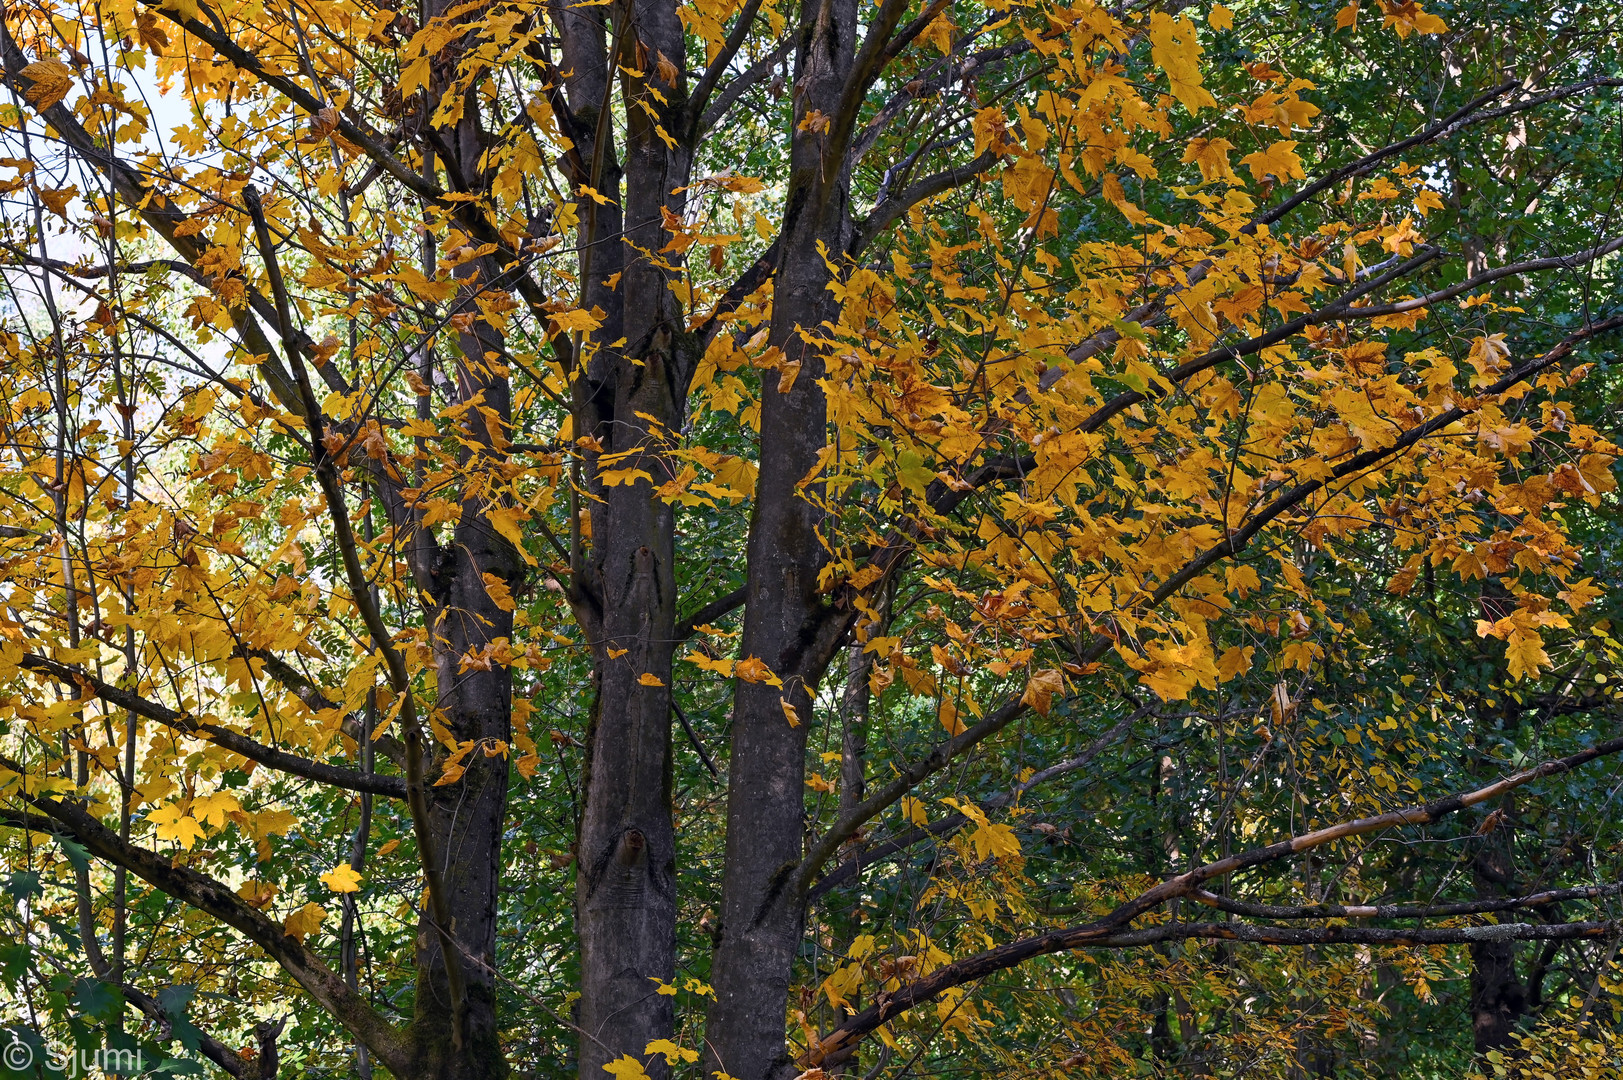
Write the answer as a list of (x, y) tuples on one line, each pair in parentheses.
[(215, 898), (711, 612), (361, 595), (718, 67), (891, 210), (1112, 930), (1402, 911), (910, 776), (270, 757), (852, 867)]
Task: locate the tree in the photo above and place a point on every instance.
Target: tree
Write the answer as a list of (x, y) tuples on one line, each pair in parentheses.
[(461, 413)]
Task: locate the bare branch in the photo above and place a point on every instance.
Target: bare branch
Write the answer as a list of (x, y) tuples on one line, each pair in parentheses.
[(718, 65), (1402, 911), (711, 612), (891, 210)]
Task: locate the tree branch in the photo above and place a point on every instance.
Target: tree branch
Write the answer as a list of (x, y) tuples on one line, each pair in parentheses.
[(853, 866), (711, 612), (1111, 931), (888, 212), (390, 786), (330, 482), (909, 777), (718, 67), (215, 898), (1401, 911)]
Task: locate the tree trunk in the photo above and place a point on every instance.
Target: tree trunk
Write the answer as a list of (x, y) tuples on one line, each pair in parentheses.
[(474, 691), (1499, 998), (762, 910), (632, 398)]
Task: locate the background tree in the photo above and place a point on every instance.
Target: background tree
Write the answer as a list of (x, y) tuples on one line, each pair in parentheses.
[(754, 540)]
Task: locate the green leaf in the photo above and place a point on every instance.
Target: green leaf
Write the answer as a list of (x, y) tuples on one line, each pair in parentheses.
[(76, 853)]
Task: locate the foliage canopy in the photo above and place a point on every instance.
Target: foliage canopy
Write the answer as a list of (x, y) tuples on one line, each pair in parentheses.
[(775, 540)]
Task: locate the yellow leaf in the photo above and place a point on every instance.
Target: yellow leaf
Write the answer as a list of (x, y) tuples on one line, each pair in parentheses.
[(949, 719), (505, 520), (342, 879), (1221, 18), (625, 1068), (304, 922), (722, 667), (176, 826), (56, 200), (672, 1052), (913, 810), (1234, 662), (388, 848), (1212, 156), (212, 809), (1348, 16), (648, 678), (755, 670), (1279, 161), (1175, 51), (500, 595), (415, 75), (584, 321), (52, 79), (616, 477), (789, 712), (1525, 655), (186, 9), (1041, 688)]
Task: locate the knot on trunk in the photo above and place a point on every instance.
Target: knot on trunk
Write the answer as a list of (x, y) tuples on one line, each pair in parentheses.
[(632, 850)]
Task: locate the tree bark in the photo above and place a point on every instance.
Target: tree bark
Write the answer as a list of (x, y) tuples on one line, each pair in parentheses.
[(762, 909), (631, 399)]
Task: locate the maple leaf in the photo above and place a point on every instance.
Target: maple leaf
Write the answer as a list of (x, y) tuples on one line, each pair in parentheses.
[(722, 667), (1580, 593), (304, 922), (213, 809), (1176, 51), (577, 321), (174, 825), (1279, 161), (754, 670), (673, 1053), (1524, 654), (498, 591), (625, 1067), (342, 879), (51, 80), (1041, 688), (56, 200), (1212, 156)]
